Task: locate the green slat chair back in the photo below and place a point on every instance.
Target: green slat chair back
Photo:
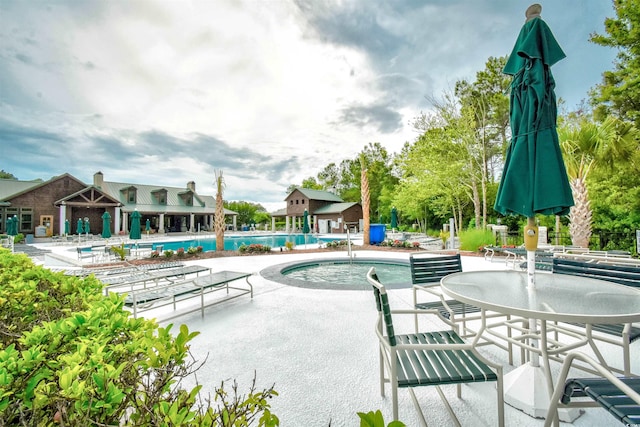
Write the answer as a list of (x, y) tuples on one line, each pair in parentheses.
[(428, 270), (382, 304)]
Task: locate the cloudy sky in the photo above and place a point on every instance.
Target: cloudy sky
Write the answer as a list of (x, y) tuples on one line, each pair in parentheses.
[(268, 91)]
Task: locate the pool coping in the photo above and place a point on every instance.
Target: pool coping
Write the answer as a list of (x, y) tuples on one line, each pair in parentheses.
[(274, 273)]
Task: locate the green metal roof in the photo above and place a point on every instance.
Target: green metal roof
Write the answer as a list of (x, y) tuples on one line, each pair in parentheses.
[(334, 208), (317, 195), (11, 187)]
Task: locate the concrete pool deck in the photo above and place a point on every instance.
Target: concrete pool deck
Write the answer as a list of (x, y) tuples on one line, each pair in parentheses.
[(319, 348)]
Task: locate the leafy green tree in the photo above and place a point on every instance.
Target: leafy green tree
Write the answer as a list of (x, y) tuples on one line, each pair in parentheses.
[(6, 175), (248, 213), (619, 92), (587, 146)]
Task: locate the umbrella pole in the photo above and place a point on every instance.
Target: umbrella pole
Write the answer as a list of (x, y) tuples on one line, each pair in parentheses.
[(531, 244)]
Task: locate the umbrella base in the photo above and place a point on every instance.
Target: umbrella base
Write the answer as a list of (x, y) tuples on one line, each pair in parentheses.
[(525, 388)]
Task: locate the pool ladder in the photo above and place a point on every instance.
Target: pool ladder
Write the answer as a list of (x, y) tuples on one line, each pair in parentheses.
[(349, 251)]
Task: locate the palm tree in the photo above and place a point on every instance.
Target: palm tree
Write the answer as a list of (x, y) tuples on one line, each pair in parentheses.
[(366, 202), (219, 216), (586, 146)]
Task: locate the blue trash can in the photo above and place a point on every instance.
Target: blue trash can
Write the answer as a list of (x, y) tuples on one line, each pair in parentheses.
[(377, 233), (29, 238)]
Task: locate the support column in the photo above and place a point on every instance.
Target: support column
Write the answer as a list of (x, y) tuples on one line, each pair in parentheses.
[(273, 224), (286, 224), (125, 222), (191, 221), (63, 217), (161, 223), (116, 220)]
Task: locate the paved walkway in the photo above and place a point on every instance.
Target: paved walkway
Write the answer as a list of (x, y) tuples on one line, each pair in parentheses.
[(319, 348)]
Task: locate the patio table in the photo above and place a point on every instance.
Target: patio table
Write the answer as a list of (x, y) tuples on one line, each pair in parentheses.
[(555, 298)]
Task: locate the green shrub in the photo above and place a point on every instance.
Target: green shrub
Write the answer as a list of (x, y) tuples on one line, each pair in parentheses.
[(120, 251), (168, 253), (18, 238), (254, 248), (375, 419), (71, 356), (475, 239)]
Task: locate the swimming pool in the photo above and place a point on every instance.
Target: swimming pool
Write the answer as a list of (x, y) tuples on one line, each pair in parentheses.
[(340, 273), (232, 243)]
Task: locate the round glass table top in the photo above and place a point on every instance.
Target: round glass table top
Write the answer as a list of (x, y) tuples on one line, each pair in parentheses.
[(559, 297)]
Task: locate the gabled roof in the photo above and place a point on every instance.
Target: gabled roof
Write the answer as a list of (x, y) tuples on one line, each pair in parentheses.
[(10, 188), (316, 195), (335, 208)]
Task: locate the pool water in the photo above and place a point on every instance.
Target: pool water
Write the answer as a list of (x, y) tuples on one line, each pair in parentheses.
[(232, 243), (341, 273)]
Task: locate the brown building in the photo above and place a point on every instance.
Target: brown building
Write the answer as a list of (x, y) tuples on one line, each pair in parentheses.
[(328, 212)]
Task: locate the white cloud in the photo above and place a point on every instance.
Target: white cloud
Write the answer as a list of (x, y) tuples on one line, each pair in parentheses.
[(268, 91)]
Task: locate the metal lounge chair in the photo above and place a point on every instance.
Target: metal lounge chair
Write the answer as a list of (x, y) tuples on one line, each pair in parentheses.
[(432, 358), (618, 395)]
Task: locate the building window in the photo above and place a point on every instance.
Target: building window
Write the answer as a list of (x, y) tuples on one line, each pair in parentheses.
[(303, 201), (291, 202), (26, 219), (297, 202)]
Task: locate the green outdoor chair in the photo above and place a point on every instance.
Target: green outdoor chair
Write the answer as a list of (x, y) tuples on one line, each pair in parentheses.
[(432, 358)]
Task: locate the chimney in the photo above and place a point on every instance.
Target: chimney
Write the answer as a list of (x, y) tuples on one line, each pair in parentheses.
[(191, 185), (98, 179)]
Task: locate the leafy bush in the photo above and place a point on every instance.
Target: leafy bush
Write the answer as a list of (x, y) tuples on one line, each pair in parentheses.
[(336, 243), (18, 238), (400, 244), (121, 251), (71, 356), (154, 254), (168, 253), (475, 239), (375, 419), (254, 248), (192, 250), (180, 252)]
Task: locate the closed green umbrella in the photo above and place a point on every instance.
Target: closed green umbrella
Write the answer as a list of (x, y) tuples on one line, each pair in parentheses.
[(305, 222), (147, 226), (12, 226), (394, 218), (80, 227), (67, 227), (87, 228), (534, 179), (134, 233), (106, 225)]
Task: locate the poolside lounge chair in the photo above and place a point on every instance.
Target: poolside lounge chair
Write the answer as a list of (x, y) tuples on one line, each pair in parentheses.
[(619, 395), (431, 358)]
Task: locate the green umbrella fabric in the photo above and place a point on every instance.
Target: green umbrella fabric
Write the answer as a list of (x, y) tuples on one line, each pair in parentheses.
[(87, 228), (67, 227), (534, 179), (394, 218), (80, 227), (106, 225), (147, 226), (135, 226), (12, 226), (305, 222)]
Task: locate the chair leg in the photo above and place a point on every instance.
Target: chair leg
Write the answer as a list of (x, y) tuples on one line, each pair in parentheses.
[(381, 354)]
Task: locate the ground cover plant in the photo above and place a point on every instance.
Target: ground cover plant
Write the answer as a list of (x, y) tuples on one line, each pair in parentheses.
[(71, 356)]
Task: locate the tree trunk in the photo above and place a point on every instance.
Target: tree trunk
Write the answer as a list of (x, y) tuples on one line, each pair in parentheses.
[(219, 215), (364, 190), (580, 214)]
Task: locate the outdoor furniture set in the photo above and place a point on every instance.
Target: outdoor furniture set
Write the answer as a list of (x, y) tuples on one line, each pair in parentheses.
[(578, 301), (171, 283)]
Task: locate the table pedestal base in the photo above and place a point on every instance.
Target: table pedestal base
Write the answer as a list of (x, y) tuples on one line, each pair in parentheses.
[(525, 388)]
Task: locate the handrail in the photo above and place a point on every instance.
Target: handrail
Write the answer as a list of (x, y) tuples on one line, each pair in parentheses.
[(349, 251)]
